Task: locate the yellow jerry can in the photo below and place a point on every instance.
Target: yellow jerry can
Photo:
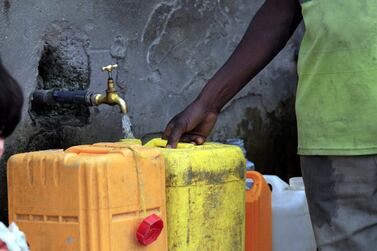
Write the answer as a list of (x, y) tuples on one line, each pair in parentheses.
[(205, 192), (89, 198), (131, 141)]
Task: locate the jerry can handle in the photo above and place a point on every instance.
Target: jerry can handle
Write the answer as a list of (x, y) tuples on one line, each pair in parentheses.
[(277, 184), (89, 149), (162, 143)]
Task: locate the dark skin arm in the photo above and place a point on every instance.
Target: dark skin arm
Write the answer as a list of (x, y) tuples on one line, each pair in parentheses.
[(265, 37)]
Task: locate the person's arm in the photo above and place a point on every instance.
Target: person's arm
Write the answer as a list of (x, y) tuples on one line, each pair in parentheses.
[(11, 100), (266, 35)]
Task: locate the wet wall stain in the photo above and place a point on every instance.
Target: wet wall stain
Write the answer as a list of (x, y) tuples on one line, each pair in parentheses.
[(271, 139), (6, 5)]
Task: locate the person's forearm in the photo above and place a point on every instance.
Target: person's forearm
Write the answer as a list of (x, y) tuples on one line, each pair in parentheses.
[(266, 35)]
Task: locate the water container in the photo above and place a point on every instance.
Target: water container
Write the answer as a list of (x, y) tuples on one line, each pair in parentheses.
[(205, 192), (258, 233), (89, 198), (291, 225), (131, 141)]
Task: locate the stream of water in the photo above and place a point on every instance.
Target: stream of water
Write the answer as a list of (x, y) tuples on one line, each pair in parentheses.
[(127, 127)]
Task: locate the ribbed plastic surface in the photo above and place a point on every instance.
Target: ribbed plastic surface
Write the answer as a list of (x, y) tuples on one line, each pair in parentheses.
[(87, 198), (258, 214), (205, 191)]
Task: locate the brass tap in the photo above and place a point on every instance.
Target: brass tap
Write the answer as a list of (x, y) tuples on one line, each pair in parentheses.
[(111, 97)]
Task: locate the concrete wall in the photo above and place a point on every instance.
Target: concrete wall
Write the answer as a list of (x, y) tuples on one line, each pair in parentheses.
[(166, 50)]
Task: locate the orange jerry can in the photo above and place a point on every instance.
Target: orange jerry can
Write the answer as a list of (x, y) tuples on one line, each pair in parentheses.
[(89, 199), (258, 214)]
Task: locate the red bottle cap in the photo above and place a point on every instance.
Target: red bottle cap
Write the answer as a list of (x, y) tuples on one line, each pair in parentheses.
[(149, 229), (3, 246)]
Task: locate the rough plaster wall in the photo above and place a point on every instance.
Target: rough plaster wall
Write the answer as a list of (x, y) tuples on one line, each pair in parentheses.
[(63, 64), (166, 50)]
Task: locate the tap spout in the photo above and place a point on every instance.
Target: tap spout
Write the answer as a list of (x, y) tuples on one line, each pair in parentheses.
[(110, 98), (122, 105)]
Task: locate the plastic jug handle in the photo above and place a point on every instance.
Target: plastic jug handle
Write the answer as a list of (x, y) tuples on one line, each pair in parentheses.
[(276, 183), (88, 149), (163, 143)]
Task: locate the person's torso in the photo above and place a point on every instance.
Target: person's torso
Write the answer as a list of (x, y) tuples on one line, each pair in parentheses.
[(336, 101)]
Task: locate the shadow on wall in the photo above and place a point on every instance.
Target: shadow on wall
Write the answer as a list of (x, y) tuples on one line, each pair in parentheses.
[(271, 141), (64, 64)]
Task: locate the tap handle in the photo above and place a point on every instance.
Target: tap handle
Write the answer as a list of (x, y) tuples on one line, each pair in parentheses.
[(110, 67)]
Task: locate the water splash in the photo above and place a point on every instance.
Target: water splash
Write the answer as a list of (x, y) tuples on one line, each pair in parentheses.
[(127, 127)]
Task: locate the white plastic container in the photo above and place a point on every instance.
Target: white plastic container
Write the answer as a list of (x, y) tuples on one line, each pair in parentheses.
[(291, 225)]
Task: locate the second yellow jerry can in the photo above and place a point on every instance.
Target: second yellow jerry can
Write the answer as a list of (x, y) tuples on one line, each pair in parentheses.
[(205, 193)]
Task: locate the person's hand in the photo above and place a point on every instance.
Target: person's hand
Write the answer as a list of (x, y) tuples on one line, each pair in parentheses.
[(192, 125)]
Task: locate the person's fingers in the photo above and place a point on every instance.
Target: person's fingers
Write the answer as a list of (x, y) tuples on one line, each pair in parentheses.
[(189, 128), (205, 127), (174, 137), (167, 131), (199, 140), (193, 138), (185, 138)]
